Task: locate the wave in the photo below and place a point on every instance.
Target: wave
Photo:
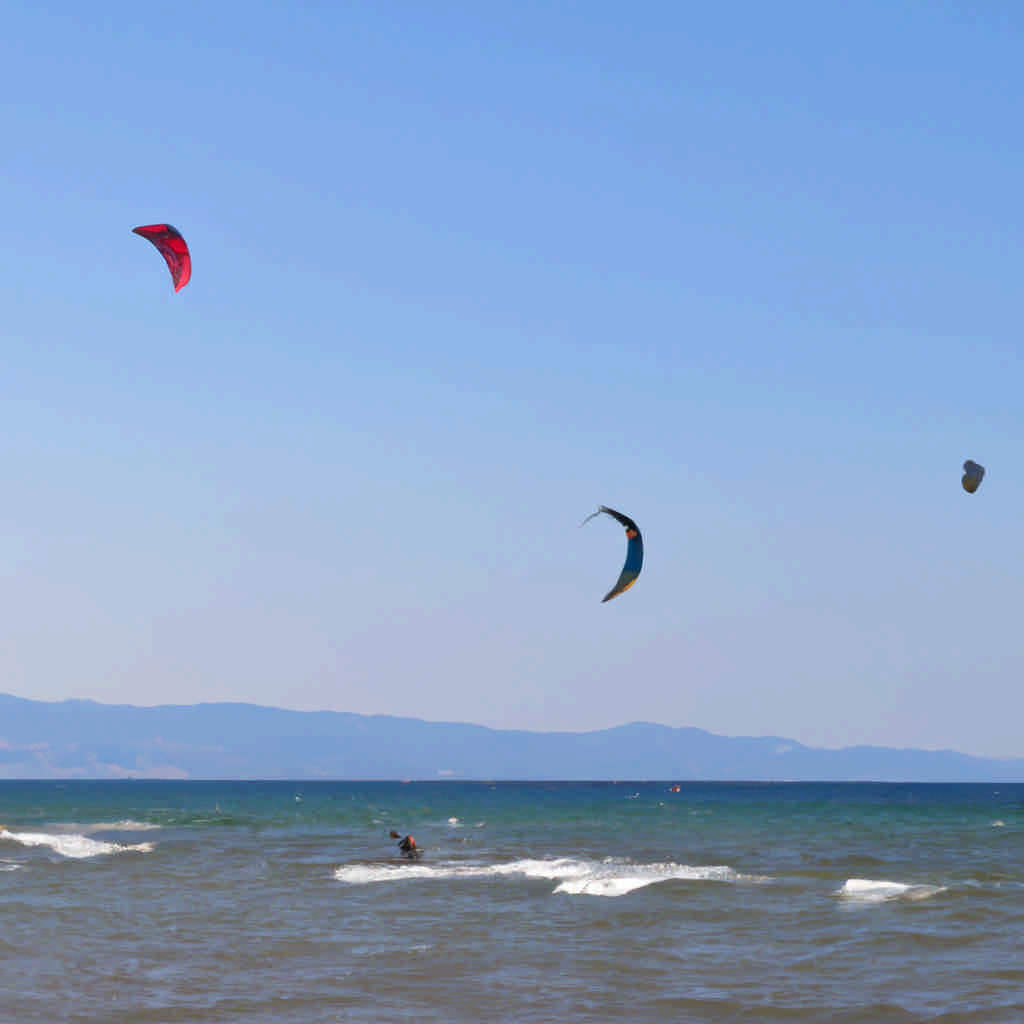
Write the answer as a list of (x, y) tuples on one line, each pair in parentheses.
[(619, 879), (125, 825), (611, 877), (867, 890), (73, 844)]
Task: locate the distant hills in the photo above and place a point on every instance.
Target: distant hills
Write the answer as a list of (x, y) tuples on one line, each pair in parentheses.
[(83, 739)]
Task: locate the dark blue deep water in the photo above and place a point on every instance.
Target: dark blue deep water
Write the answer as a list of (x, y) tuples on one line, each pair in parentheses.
[(533, 902)]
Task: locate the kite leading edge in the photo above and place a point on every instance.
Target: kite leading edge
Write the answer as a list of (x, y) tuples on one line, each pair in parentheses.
[(634, 552)]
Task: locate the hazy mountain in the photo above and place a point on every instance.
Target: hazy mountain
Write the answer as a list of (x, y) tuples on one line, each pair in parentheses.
[(83, 739)]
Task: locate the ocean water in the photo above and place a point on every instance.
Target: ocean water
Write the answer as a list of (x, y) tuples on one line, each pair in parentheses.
[(533, 902)]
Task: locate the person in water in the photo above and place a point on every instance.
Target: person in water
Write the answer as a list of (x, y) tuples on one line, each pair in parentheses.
[(408, 847)]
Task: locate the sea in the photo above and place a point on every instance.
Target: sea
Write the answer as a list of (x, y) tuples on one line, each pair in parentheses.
[(257, 902)]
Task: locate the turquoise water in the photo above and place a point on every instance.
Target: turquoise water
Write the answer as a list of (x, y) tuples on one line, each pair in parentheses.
[(260, 902)]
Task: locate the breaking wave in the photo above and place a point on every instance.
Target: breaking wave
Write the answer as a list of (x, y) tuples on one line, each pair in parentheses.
[(73, 845), (867, 890), (610, 877)]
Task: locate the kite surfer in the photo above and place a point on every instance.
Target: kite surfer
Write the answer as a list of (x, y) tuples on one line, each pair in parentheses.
[(407, 845)]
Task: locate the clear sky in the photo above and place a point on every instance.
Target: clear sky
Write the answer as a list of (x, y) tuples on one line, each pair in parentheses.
[(462, 271)]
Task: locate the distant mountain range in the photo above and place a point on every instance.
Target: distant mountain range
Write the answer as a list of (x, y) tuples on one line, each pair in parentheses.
[(83, 739)]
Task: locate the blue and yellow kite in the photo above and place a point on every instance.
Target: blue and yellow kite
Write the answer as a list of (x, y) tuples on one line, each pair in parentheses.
[(634, 552), (973, 475)]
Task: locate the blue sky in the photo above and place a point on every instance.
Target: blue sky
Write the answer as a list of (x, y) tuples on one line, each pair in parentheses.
[(462, 272)]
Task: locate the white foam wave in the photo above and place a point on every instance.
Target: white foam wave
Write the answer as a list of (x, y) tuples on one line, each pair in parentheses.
[(73, 845), (868, 890), (622, 879), (999, 823), (575, 877), (365, 874)]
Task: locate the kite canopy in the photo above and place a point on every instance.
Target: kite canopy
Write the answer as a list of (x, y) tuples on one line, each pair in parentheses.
[(973, 474), (634, 552), (173, 249)]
